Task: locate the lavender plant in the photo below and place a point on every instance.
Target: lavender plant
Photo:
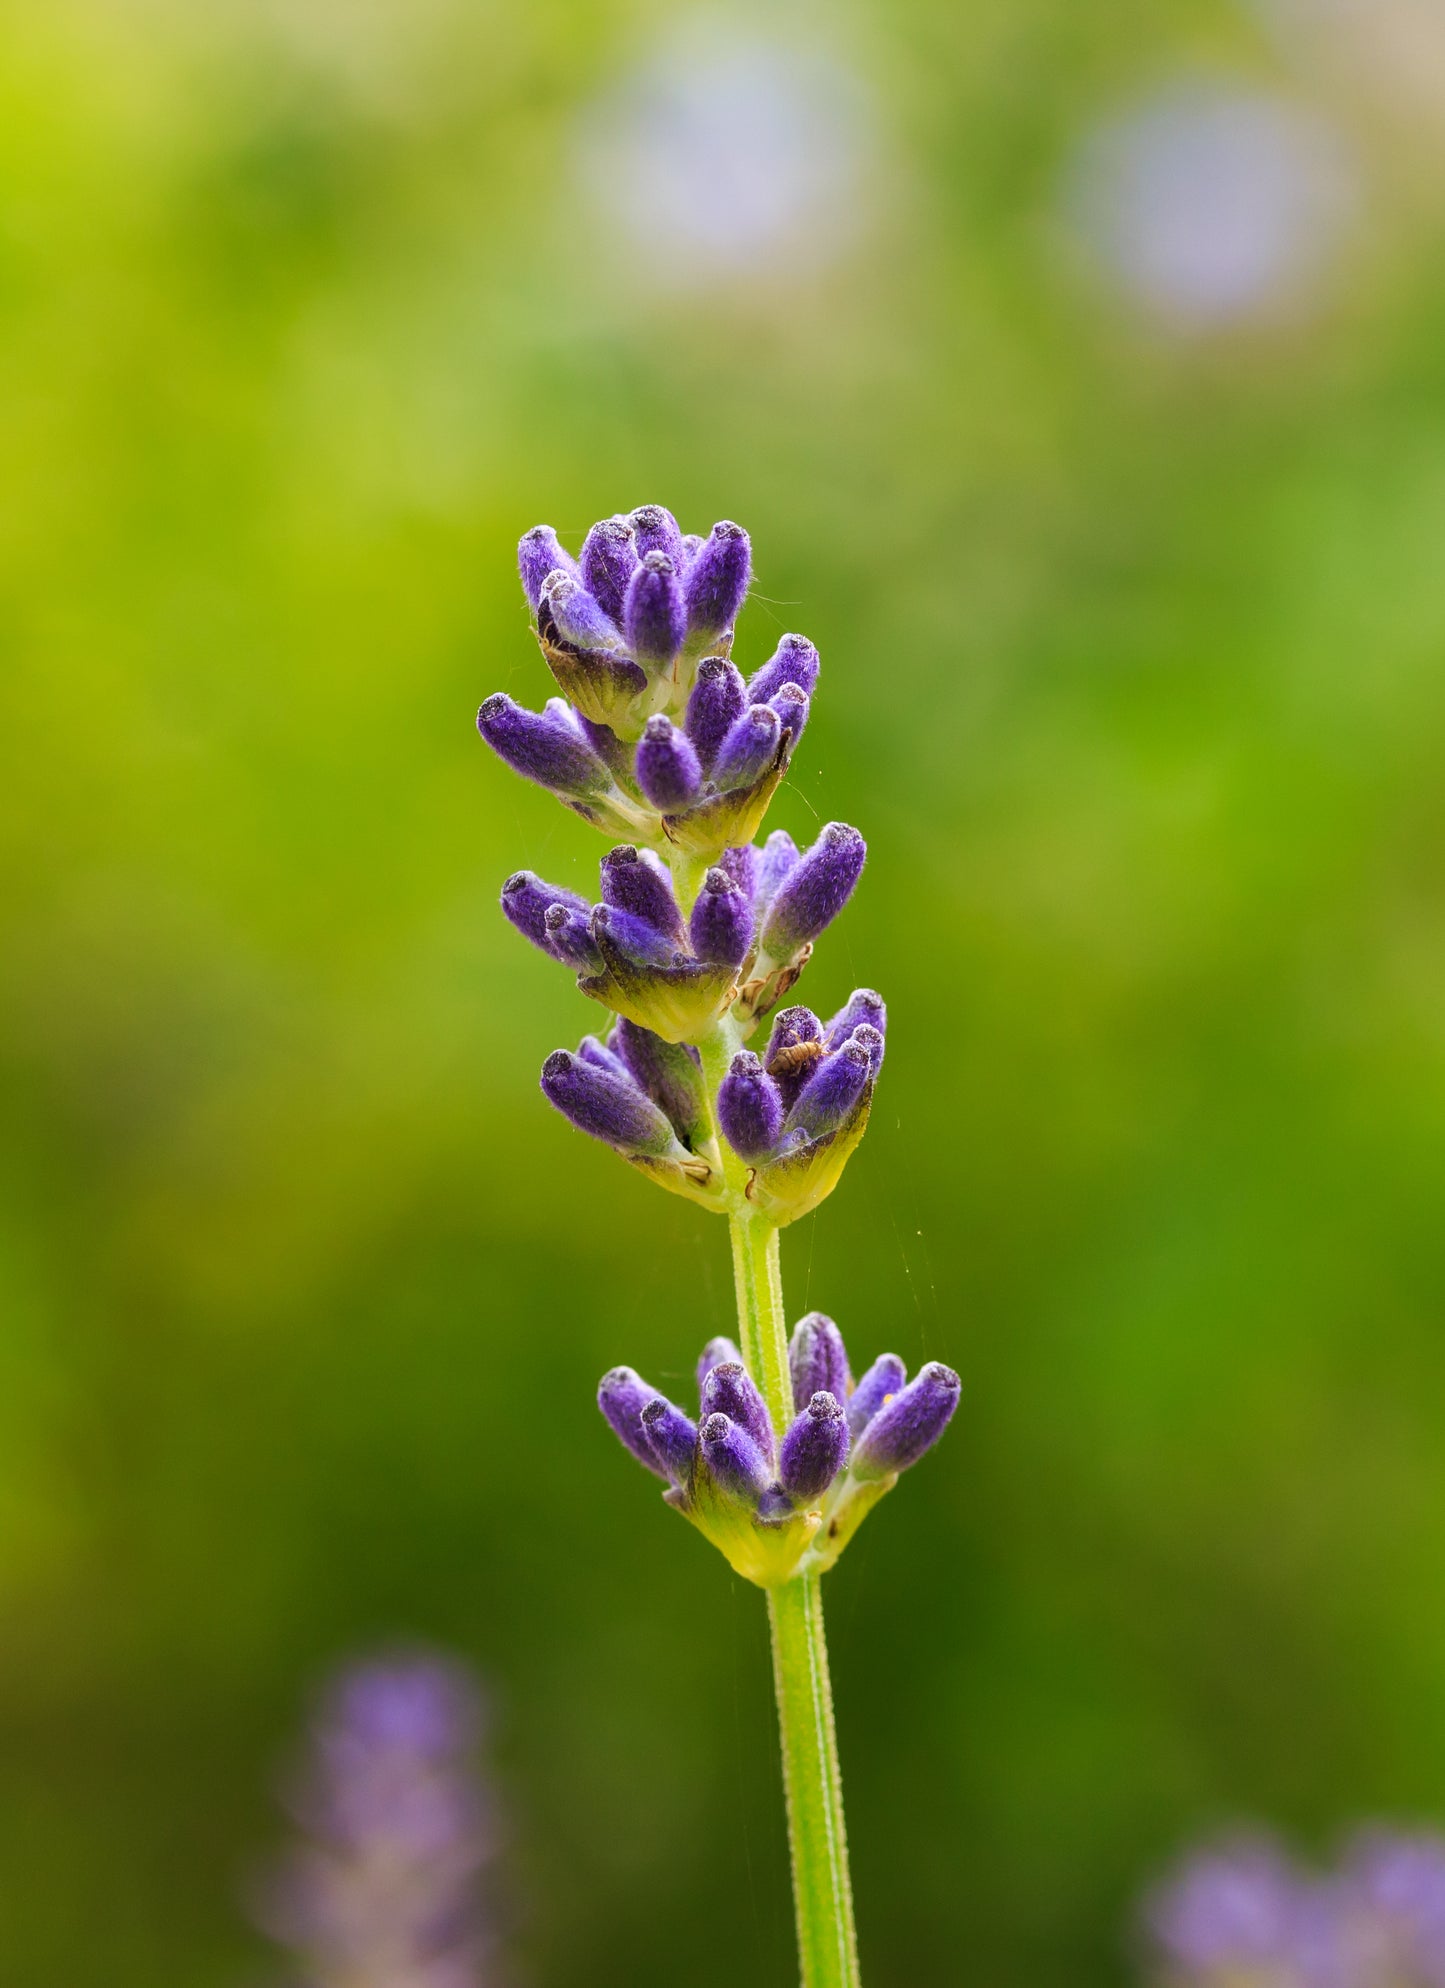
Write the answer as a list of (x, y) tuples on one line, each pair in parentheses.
[(699, 936), (382, 1890)]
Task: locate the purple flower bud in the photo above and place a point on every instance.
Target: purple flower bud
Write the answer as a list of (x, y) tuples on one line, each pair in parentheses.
[(794, 1051), (885, 1378), (835, 1085), (540, 552), (654, 529), (795, 660), (672, 1436), (721, 925), (911, 1423), (791, 705), (734, 1459), (862, 1005), (609, 560), (569, 938), (602, 1057), (667, 1071), (578, 618), (777, 862), (637, 939), (718, 700), (818, 1359), (639, 884), (668, 771), (540, 749), (652, 614), (742, 866), (715, 1354), (691, 546), (815, 891), (717, 580), (622, 1395), (731, 1390), (748, 750), (619, 1114), (815, 1448), (526, 901), (749, 1108)]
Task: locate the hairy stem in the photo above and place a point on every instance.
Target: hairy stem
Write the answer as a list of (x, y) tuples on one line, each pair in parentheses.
[(822, 1894)]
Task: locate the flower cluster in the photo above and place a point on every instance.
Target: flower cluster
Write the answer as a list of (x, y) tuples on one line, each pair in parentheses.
[(1243, 1912), (699, 932), (779, 1502), (383, 1892)]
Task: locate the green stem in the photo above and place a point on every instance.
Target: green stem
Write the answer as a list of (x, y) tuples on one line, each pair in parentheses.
[(822, 1894)]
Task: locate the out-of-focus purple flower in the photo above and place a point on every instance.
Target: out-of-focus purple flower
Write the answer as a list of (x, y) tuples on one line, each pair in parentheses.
[(755, 153), (1390, 1908), (780, 1499), (384, 1892), (1240, 1911), (1214, 205)]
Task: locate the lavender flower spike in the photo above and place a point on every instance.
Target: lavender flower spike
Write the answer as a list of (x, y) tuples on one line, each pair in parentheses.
[(911, 1424), (386, 1888)]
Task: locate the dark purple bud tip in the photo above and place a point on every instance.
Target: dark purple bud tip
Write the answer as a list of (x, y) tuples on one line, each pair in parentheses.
[(718, 700), (750, 1109), (600, 1104), (717, 580), (731, 1390), (654, 529), (653, 618), (885, 1378), (818, 1360), (791, 705), (734, 1459), (609, 560), (717, 1352), (540, 552), (795, 660), (622, 1395), (672, 1436), (815, 891), (569, 938), (911, 1423), (815, 1448), (862, 1005), (640, 885), (540, 749), (668, 770), (721, 925), (748, 750), (526, 900), (835, 1086)]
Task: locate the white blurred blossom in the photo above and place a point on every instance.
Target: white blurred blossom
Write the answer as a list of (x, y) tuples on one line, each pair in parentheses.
[(1212, 205), (726, 153)]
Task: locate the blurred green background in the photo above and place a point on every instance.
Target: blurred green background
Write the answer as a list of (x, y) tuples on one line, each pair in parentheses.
[(1133, 632)]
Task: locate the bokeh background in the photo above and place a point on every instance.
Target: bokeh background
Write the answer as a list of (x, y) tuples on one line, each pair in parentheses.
[(1080, 374)]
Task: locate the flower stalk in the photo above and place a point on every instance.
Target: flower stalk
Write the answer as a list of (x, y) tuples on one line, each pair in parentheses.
[(699, 938)]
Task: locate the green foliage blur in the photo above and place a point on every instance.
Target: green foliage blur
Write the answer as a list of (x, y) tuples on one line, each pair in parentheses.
[(1134, 651)]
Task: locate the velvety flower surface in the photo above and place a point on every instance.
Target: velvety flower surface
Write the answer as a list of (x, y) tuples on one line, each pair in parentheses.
[(780, 1501), (383, 1889)]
